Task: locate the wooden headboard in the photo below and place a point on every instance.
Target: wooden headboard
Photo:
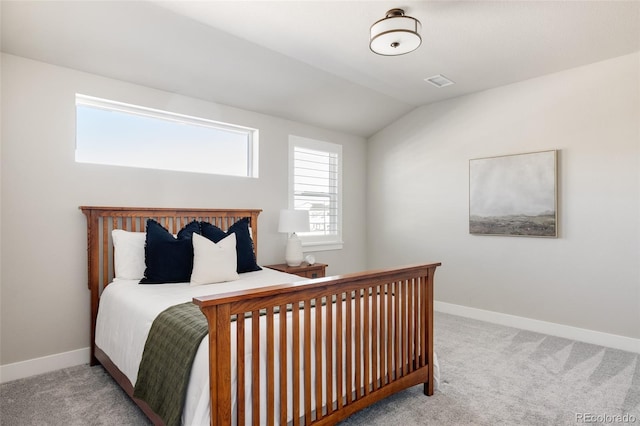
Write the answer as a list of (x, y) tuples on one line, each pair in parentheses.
[(102, 220)]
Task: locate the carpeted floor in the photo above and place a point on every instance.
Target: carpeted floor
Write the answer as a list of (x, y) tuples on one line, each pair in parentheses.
[(490, 375)]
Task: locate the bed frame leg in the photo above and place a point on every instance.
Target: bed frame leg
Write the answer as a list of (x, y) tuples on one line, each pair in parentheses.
[(428, 389), (93, 361)]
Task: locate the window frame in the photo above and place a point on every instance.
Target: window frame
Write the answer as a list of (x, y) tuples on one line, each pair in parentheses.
[(252, 134), (311, 243)]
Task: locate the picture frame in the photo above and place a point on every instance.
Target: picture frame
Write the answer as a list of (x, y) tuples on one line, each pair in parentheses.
[(514, 195)]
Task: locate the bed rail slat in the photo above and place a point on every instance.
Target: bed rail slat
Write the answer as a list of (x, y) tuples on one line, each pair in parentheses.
[(295, 342), (374, 338), (270, 369), (404, 308), (329, 355), (255, 367), (307, 361), (382, 347), (366, 332), (283, 365), (397, 324), (413, 335), (340, 358), (389, 354), (318, 357), (349, 347), (241, 368), (105, 251), (358, 339)]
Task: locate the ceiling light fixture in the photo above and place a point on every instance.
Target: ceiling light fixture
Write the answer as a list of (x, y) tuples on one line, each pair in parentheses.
[(395, 34)]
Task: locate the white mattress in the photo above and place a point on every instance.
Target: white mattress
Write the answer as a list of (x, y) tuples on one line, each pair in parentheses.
[(127, 310)]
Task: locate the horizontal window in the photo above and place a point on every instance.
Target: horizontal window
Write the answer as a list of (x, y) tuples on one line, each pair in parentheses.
[(118, 134)]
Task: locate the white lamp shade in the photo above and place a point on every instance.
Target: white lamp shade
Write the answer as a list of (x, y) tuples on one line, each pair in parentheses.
[(294, 221)]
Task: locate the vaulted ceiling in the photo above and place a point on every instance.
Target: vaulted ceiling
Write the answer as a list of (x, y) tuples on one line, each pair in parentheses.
[(309, 61)]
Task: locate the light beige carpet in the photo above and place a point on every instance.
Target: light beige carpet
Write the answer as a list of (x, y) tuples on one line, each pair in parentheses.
[(490, 375)]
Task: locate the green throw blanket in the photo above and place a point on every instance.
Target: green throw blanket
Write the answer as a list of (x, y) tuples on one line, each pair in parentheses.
[(169, 351)]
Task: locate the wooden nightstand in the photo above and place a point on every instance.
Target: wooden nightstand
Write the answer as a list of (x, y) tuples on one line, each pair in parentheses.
[(317, 270)]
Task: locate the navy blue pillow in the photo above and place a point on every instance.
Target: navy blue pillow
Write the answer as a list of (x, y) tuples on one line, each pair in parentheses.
[(168, 259), (244, 243)]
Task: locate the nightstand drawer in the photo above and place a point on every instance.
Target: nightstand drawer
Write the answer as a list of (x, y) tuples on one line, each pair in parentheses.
[(312, 273), (317, 270)]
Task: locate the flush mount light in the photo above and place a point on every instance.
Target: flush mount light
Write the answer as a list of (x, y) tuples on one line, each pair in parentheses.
[(395, 34)]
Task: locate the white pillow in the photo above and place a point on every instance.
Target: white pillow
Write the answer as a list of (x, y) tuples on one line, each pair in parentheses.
[(128, 256), (214, 263)]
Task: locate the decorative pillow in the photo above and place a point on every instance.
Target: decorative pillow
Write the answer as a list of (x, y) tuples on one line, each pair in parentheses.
[(128, 253), (244, 242), (214, 262), (168, 259)]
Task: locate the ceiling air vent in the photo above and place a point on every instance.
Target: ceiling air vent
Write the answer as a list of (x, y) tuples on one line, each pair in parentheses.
[(439, 80)]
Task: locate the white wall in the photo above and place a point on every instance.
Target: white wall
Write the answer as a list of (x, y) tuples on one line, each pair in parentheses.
[(45, 301), (416, 208), (418, 197)]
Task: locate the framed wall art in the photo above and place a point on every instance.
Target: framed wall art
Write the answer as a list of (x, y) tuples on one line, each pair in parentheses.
[(514, 195)]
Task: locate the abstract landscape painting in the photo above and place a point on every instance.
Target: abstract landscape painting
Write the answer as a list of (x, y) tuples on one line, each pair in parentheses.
[(513, 195)]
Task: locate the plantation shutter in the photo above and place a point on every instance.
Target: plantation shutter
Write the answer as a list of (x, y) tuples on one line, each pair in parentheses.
[(315, 188)]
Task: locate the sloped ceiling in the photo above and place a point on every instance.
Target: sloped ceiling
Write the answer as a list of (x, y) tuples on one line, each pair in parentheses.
[(309, 61)]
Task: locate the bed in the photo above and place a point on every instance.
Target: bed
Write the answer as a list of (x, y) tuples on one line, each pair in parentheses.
[(280, 349)]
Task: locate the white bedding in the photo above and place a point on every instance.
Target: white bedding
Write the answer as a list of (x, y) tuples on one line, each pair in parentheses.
[(127, 310)]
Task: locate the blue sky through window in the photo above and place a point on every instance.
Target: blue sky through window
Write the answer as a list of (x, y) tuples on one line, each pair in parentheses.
[(120, 138)]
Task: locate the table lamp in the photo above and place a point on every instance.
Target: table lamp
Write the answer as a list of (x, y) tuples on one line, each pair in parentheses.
[(292, 221)]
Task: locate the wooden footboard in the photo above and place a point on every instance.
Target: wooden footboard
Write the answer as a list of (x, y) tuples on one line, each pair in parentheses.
[(355, 339)]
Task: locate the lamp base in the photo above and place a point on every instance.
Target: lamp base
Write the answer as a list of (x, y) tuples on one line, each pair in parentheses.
[(293, 254)]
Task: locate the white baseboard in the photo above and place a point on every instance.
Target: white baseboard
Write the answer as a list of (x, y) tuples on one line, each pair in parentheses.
[(581, 334), (32, 367)]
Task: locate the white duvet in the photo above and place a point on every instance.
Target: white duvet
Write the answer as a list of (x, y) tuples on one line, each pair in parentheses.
[(127, 310)]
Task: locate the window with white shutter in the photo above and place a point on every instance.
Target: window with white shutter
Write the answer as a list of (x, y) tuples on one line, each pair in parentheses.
[(315, 174)]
